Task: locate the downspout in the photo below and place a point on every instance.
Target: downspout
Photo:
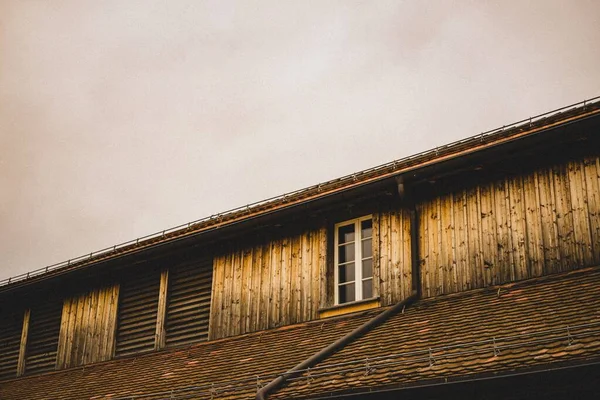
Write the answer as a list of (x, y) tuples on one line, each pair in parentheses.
[(414, 251), (266, 390)]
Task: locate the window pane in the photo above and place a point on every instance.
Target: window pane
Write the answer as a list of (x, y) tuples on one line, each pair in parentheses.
[(367, 288), (367, 268), (346, 234), (367, 248), (367, 228), (346, 273), (346, 293), (346, 253)]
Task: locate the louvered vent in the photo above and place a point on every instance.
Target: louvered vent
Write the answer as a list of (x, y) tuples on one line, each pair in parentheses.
[(188, 306), (10, 338), (138, 304), (42, 341)]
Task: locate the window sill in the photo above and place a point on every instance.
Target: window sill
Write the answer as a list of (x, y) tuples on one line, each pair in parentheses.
[(348, 308)]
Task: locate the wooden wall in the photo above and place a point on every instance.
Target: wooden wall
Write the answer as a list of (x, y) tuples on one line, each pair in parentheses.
[(519, 227), (268, 285), (392, 256), (87, 331), (287, 280)]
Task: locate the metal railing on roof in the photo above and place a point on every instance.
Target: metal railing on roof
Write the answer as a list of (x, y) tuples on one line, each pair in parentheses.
[(425, 357), (216, 218)]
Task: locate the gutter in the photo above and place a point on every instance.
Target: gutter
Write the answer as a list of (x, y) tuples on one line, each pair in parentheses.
[(265, 391), (496, 137)]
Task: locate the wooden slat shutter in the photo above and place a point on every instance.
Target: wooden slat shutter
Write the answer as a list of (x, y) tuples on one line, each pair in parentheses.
[(137, 312), (11, 325), (188, 307), (42, 341)]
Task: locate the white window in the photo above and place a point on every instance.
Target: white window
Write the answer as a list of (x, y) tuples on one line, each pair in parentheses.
[(353, 260)]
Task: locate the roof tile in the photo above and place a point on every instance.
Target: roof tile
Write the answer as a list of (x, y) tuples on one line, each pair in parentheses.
[(533, 324)]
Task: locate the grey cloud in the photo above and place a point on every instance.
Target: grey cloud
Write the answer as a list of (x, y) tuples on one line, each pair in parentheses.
[(118, 119)]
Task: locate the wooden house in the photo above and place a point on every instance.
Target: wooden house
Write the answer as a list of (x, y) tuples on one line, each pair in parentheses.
[(469, 270)]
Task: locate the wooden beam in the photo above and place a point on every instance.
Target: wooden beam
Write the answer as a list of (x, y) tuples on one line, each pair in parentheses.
[(23, 345), (160, 334)]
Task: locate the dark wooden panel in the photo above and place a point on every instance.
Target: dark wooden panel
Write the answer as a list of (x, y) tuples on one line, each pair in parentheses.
[(11, 324), (188, 306), (42, 342), (138, 304)]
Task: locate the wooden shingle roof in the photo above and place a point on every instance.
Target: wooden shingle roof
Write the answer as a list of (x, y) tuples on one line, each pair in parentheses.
[(536, 324)]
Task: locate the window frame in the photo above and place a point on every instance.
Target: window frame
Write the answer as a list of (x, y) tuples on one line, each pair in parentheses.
[(358, 260)]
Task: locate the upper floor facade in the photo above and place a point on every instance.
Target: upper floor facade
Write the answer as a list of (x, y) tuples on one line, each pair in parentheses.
[(502, 207)]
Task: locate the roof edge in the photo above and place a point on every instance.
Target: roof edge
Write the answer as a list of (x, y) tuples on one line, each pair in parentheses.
[(495, 137)]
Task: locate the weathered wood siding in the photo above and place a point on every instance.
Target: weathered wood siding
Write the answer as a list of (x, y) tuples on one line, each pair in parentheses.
[(188, 305), (87, 332), (268, 285), (392, 256), (520, 227), (42, 340)]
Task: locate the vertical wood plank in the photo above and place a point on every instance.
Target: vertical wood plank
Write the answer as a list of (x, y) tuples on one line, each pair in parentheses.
[(581, 224), (548, 218), (292, 266), (489, 230), (216, 297), (266, 285), (236, 294), (435, 240), (318, 297), (277, 284), (320, 257), (535, 243), (504, 214), (462, 240), (255, 301), (592, 177), (395, 243), (386, 262), (23, 343), (407, 255), (518, 229), (111, 305), (104, 313), (424, 248), (451, 281), (227, 308), (160, 333), (246, 289), (306, 275), (564, 215), (114, 312), (62, 336), (376, 255)]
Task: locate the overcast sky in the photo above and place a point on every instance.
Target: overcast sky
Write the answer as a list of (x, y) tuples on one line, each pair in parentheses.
[(122, 118)]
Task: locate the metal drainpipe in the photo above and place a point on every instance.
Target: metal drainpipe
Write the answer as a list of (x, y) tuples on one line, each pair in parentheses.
[(335, 346), (264, 392)]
